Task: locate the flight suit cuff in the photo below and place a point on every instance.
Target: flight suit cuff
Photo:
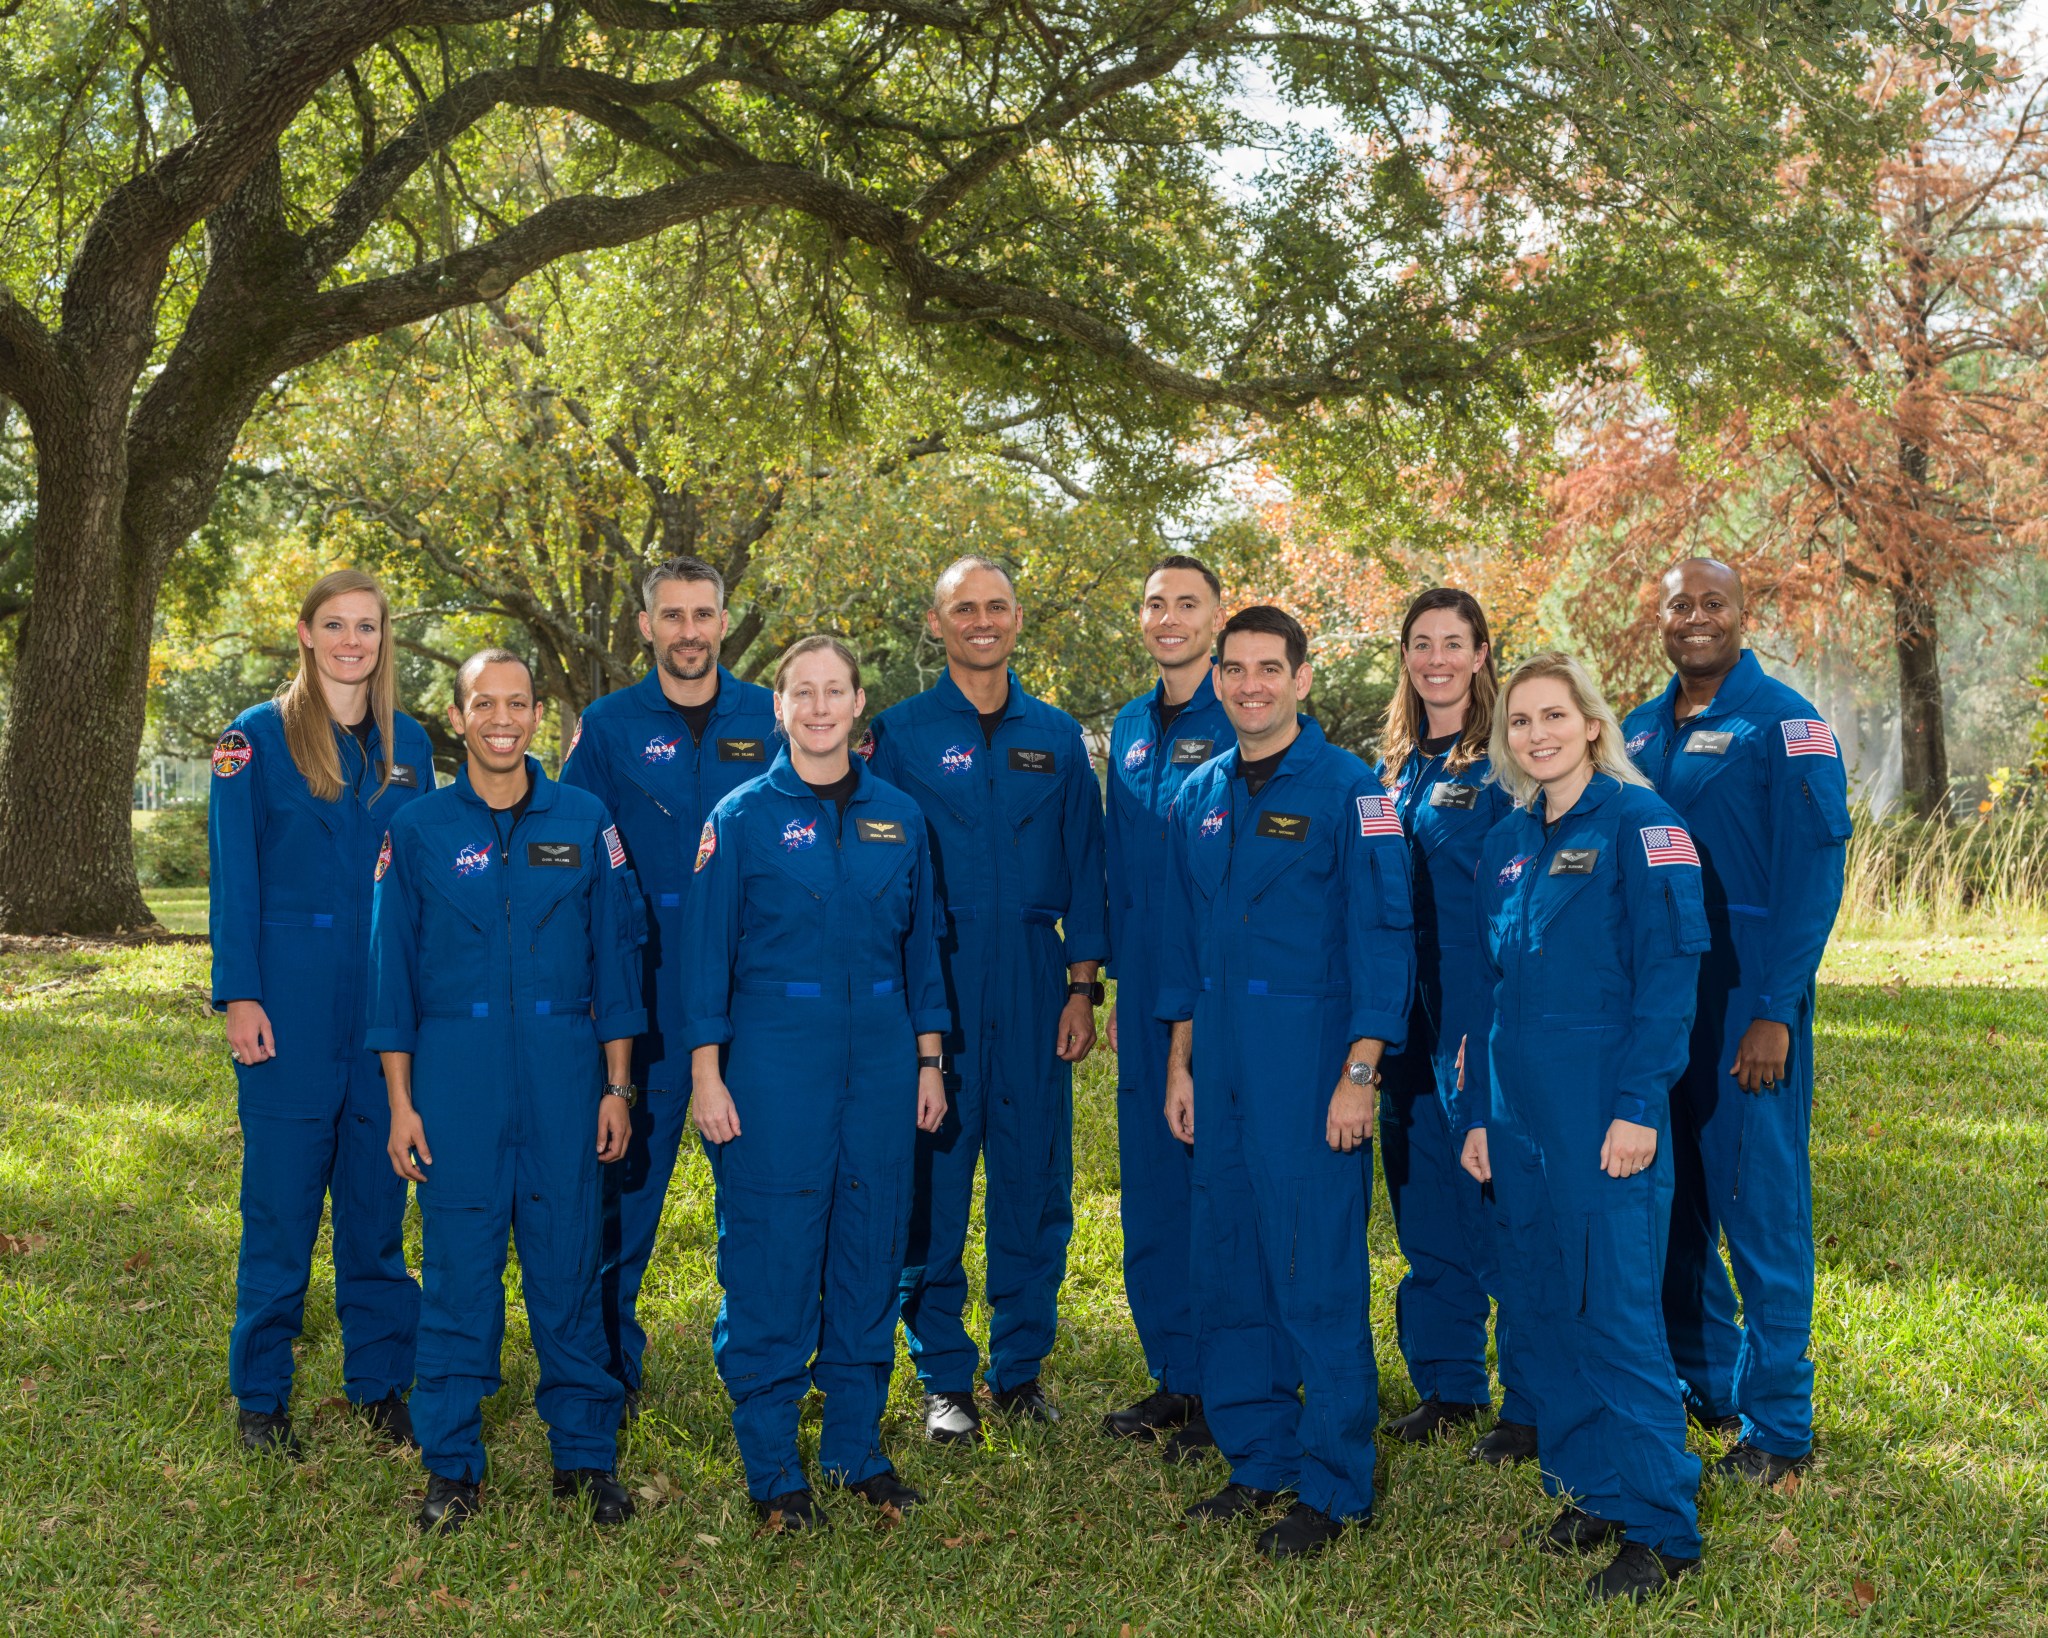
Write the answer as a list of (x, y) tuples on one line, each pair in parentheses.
[(699, 1032), (1083, 949), (391, 1038), (1630, 1107), (1174, 1006), (622, 1026), (234, 986), (1390, 1027), (1774, 1011), (1472, 1123), (935, 1022)]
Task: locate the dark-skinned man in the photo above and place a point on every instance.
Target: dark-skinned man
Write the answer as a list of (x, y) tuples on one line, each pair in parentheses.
[(1757, 777), (1159, 739), (660, 755), (1288, 971), (505, 936), (1015, 821)]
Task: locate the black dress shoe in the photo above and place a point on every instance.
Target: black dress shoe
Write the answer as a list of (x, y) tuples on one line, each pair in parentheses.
[(1233, 1501), (1760, 1467), (797, 1511), (629, 1409), (1507, 1444), (1027, 1400), (1305, 1530), (1572, 1531), (1189, 1442), (1156, 1413), (268, 1433), (449, 1503), (885, 1489), (1722, 1427), (610, 1502), (951, 1419), (390, 1421), (1432, 1419), (1638, 1573)]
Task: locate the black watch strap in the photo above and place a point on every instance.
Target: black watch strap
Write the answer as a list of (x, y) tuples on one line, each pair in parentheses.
[(930, 1061), (1093, 988)]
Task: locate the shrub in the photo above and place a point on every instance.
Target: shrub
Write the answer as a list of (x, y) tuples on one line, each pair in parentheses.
[(170, 851), (1938, 877)]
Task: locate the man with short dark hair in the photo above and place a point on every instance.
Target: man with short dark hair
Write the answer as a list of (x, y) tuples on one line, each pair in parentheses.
[(1289, 960), (1756, 775), (1159, 739), (1015, 819), (660, 755)]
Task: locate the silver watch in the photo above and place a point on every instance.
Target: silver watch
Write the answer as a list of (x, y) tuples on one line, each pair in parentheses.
[(1360, 1073), (629, 1092)]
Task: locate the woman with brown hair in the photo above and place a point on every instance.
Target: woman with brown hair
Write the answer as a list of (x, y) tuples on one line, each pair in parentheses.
[(304, 787)]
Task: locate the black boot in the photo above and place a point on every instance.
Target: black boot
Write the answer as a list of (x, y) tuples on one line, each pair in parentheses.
[(1027, 1400), (1233, 1501), (610, 1502), (797, 1511), (886, 1489), (1638, 1573), (1156, 1413), (1432, 1419), (1189, 1442), (1572, 1531), (268, 1433), (449, 1503), (390, 1421), (1721, 1427), (1304, 1531), (951, 1419), (1759, 1467), (1507, 1445)]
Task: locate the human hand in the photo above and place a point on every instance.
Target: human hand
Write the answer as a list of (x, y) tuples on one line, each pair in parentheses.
[(1760, 1056), (1477, 1159), (711, 1107), (1077, 1029), (614, 1128), (249, 1035), (931, 1100), (408, 1138), (1629, 1148), (1351, 1116)]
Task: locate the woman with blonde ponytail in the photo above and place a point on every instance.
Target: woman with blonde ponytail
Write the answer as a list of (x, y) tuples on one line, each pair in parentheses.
[(304, 787)]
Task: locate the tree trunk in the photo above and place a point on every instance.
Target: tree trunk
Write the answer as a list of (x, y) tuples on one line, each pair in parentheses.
[(67, 760), (1923, 740)]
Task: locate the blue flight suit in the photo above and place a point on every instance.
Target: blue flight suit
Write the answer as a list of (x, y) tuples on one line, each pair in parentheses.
[(1444, 1220), (817, 967), (290, 917), (635, 753), (500, 967), (1593, 935), (1016, 838), (1148, 765), (1288, 936), (1759, 781)]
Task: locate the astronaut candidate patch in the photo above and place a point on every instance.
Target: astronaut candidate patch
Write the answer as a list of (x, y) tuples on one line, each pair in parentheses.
[(232, 754)]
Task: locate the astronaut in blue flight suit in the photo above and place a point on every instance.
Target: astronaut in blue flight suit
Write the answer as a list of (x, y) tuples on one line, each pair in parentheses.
[(1589, 906), (658, 755), (1756, 775), (1158, 740), (1014, 815), (1435, 760), (292, 849), (815, 1010), (504, 947), (1289, 966)]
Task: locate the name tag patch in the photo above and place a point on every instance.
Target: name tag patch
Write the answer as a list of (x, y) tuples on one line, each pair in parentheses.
[(742, 750), (1187, 752), (1710, 742), (880, 830), (404, 773), (1023, 760), (1289, 827), (1453, 796), (565, 855), (1574, 861)]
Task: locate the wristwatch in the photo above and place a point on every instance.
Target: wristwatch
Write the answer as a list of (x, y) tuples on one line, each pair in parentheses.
[(1360, 1073), (629, 1092), (930, 1061), (1096, 991)]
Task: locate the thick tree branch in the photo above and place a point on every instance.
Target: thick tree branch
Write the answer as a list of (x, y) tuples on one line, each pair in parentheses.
[(31, 369)]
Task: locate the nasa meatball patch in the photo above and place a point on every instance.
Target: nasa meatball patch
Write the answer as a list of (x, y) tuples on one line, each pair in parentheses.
[(232, 754), (1134, 758), (473, 860), (707, 844)]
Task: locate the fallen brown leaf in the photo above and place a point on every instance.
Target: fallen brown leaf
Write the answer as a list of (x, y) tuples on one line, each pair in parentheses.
[(1789, 1485), (892, 1515), (138, 1262), (1785, 1544), (404, 1571), (771, 1525), (951, 1541), (1864, 1593), (448, 1601), (1891, 1267), (305, 1579), (707, 1541)]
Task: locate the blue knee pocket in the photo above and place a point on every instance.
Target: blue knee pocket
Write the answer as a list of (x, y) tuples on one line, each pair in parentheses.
[(1325, 1276)]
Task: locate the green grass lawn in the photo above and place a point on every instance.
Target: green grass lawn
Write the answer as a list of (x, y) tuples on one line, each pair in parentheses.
[(124, 1507)]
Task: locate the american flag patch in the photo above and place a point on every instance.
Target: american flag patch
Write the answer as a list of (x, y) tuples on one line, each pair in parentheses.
[(1805, 736), (613, 846), (1377, 816), (1668, 845)]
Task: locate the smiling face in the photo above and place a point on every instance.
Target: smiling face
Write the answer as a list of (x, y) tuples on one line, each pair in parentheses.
[(1550, 737), (817, 703), (977, 618), (1442, 656), (1259, 690), (346, 634), (1700, 619), (685, 627), (1177, 619), (497, 717)]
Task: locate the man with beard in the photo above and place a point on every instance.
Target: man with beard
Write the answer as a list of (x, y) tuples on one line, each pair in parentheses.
[(660, 755)]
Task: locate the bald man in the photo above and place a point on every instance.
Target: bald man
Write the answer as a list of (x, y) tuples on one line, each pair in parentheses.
[(1758, 779)]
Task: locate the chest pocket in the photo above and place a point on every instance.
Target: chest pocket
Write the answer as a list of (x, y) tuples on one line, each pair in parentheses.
[(795, 846), (1722, 762), (880, 855), (1028, 776), (1582, 865), (1282, 844)]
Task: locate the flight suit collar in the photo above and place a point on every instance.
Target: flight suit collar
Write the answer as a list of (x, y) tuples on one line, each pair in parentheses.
[(542, 799), (1599, 790), (1734, 692), (783, 777), (948, 692), (1204, 695), (723, 704), (1301, 750)]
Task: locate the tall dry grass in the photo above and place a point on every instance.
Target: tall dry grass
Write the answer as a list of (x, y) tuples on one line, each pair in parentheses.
[(1980, 873)]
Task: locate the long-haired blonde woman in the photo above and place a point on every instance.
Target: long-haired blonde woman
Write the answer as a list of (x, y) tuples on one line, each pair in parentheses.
[(304, 786), (1590, 912)]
